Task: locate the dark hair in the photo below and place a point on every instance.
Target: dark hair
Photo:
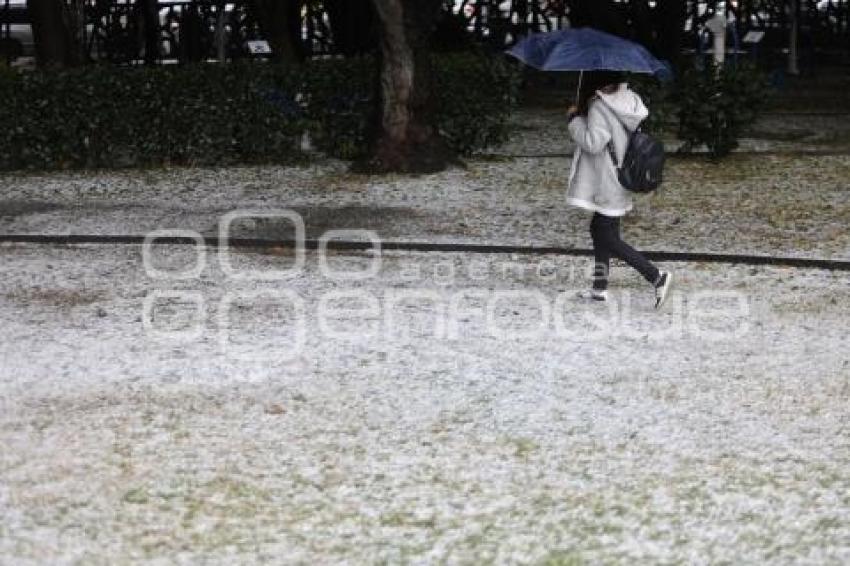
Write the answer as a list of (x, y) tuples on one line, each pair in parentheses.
[(593, 81)]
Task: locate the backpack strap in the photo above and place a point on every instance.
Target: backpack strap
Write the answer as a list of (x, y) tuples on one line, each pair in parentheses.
[(611, 150), (629, 135), (613, 154)]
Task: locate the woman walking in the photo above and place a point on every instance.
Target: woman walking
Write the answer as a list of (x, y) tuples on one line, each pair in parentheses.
[(607, 111)]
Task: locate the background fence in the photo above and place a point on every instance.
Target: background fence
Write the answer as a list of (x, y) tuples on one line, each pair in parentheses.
[(130, 31)]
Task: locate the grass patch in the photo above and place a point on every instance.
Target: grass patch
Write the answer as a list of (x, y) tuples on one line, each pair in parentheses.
[(562, 558), (136, 496), (62, 298), (523, 447), (403, 519)]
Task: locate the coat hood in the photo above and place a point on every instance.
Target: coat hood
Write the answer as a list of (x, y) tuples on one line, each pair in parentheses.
[(626, 105)]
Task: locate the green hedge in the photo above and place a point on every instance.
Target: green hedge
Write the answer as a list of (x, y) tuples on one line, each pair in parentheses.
[(341, 104), (658, 97), (711, 106), (474, 94), (102, 116), (113, 117), (716, 105)]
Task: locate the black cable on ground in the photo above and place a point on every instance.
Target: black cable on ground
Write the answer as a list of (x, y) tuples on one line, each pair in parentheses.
[(670, 156), (344, 245)]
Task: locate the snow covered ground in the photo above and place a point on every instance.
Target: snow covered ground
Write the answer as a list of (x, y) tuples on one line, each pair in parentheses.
[(457, 408), (751, 204), (443, 408)]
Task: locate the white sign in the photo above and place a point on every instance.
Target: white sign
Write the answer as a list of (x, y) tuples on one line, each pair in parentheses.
[(753, 37), (259, 47)]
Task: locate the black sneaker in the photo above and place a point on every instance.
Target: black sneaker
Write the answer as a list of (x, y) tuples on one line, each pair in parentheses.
[(662, 288), (593, 295)]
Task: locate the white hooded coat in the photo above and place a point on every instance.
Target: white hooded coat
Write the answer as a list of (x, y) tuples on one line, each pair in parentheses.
[(593, 183)]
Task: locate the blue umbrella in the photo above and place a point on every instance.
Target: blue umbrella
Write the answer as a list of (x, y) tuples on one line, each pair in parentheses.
[(586, 49)]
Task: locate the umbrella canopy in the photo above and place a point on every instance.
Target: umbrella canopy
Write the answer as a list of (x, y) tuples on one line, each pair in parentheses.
[(586, 49)]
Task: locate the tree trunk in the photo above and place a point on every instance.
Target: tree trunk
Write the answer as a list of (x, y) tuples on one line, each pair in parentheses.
[(406, 141), (55, 44), (793, 34), (150, 28), (604, 15), (280, 22), (353, 26), (191, 35), (671, 25), (643, 29)]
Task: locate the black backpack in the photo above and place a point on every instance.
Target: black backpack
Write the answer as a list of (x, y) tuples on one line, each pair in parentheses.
[(643, 165)]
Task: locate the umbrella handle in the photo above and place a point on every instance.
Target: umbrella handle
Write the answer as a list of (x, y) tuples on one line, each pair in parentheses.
[(578, 89)]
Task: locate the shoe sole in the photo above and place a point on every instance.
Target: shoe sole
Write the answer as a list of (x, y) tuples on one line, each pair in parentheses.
[(664, 292)]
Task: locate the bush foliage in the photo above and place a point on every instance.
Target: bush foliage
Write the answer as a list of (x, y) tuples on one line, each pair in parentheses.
[(473, 96), (106, 117), (102, 116), (658, 97), (341, 104), (716, 105)]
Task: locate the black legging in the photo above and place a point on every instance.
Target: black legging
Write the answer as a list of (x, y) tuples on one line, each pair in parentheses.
[(605, 231)]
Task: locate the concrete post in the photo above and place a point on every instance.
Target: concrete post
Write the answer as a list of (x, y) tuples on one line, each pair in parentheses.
[(717, 26)]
